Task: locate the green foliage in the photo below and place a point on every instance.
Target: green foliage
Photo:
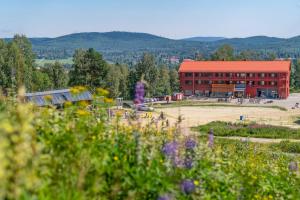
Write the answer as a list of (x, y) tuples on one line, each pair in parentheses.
[(57, 75), (146, 69), (76, 153), (250, 130), (19, 151), (42, 81), (225, 52), (296, 75), (159, 80), (89, 69), (163, 84), (117, 81), (287, 146)]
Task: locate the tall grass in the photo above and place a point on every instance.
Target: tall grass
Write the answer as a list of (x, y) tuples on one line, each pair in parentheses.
[(80, 153)]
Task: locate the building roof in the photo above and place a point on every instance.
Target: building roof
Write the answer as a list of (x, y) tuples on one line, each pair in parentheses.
[(235, 66), (57, 97)]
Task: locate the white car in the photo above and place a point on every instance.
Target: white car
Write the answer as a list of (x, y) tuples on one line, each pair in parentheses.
[(145, 108)]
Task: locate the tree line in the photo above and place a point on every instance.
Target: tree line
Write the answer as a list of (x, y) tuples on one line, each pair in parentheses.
[(18, 68)]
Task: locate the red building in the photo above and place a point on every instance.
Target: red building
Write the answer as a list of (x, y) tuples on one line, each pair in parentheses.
[(269, 79)]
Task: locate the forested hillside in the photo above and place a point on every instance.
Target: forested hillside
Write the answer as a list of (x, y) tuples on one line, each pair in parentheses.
[(126, 47)]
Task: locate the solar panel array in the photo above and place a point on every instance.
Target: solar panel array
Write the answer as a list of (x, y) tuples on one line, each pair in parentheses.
[(57, 97)]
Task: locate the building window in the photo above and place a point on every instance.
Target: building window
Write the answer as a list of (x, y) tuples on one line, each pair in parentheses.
[(262, 75), (273, 83), (219, 74), (273, 75), (261, 83), (250, 75), (243, 75), (188, 74), (188, 82), (198, 82)]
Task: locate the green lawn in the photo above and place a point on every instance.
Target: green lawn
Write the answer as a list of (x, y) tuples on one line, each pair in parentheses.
[(249, 130), (42, 62)]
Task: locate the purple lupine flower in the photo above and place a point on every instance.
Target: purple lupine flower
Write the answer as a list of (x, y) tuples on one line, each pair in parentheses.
[(139, 93), (170, 148), (187, 186), (190, 144), (177, 161), (211, 139), (188, 163), (165, 197), (293, 166)]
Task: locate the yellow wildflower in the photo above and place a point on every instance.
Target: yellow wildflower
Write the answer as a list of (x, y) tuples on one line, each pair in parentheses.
[(84, 103), (48, 97), (81, 88), (108, 100), (7, 127), (68, 103), (196, 183), (77, 89), (81, 112), (116, 158), (102, 92)]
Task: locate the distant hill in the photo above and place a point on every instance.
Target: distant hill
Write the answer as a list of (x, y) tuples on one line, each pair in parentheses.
[(128, 47), (204, 39)]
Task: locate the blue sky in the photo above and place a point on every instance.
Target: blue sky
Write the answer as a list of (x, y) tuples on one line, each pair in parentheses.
[(169, 18)]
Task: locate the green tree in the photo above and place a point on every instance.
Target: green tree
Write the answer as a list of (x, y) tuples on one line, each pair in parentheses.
[(89, 69), (41, 80), (147, 69), (57, 75), (271, 56), (15, 66), (4, 71), (224, 52), (123, 87), (113, 81), (174, 80), (249, 55), (297, 74), (163, 83), (25, 48)]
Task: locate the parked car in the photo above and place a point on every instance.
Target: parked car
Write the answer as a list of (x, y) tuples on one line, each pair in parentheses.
[(145, 108)]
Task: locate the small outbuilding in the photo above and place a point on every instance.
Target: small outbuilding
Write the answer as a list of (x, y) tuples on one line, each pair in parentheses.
[(57, 97)]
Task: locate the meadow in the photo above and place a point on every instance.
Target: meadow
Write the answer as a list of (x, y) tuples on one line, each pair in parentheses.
[(42, 62), (81, 153), (249, 129)]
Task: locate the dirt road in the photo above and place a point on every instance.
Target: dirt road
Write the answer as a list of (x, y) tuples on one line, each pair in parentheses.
[(194, 115)]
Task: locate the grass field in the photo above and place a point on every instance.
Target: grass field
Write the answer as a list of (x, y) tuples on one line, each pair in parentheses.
[(225, 129), (42, 62)]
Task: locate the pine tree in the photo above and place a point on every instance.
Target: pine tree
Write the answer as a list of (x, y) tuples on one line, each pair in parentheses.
[(57, 75), (297, 75)]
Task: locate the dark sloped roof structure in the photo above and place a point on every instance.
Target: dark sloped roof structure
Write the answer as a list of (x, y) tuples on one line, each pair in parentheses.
[(57, 97)]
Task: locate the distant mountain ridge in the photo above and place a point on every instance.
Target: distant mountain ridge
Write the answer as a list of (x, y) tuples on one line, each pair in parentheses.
[(128, 46), (204, 39)]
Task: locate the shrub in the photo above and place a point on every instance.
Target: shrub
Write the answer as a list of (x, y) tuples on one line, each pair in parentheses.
[(249, 130)]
